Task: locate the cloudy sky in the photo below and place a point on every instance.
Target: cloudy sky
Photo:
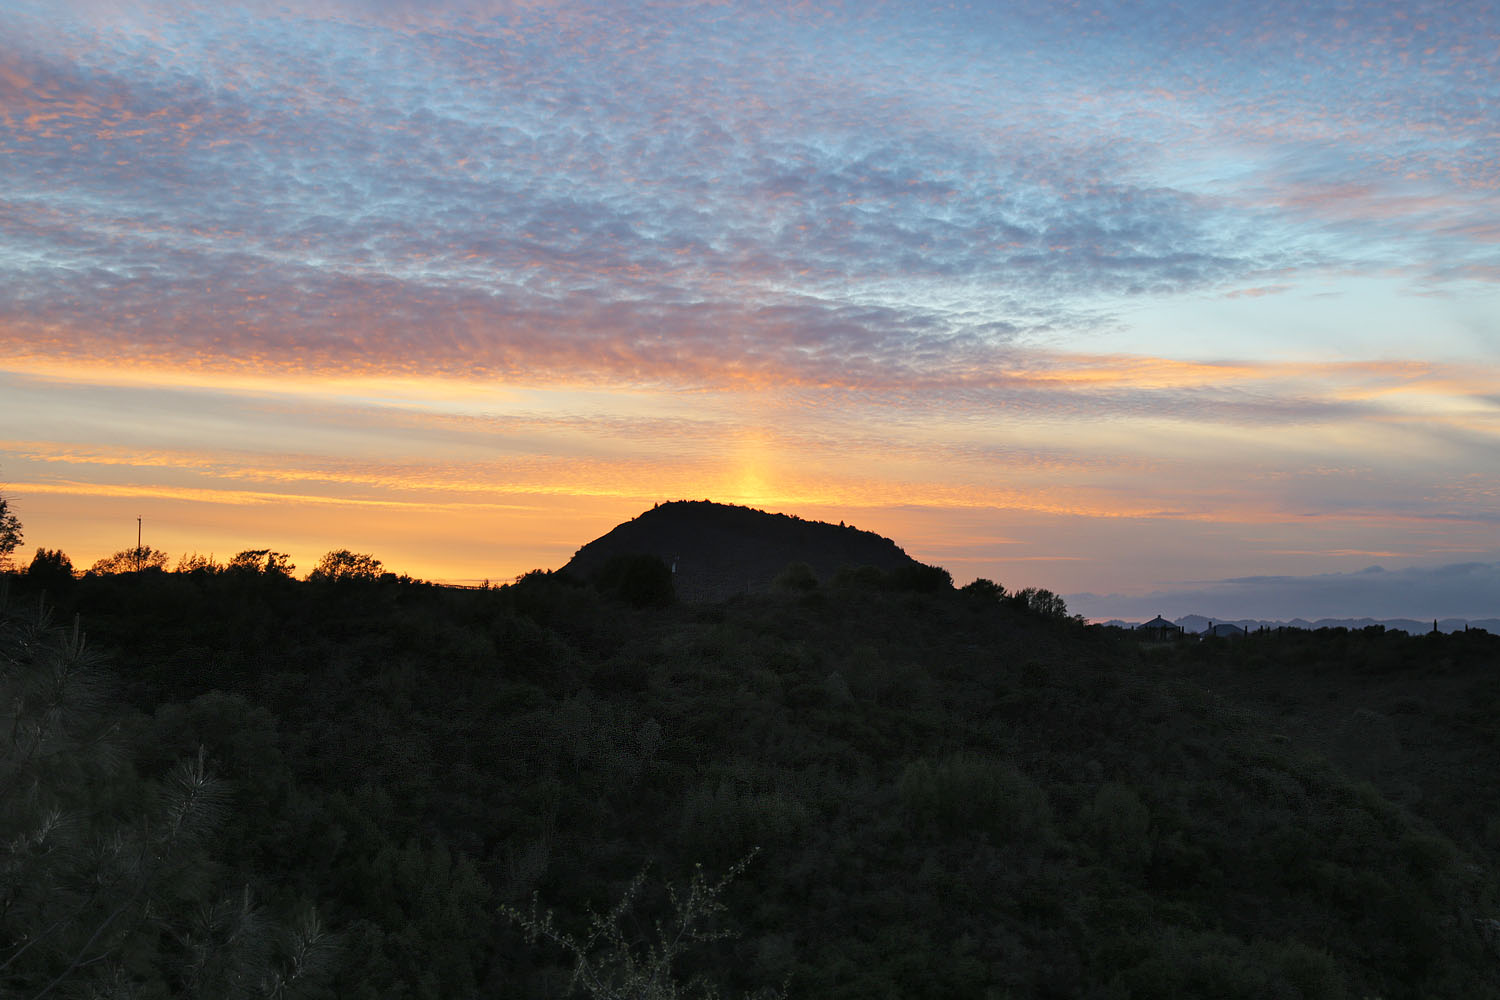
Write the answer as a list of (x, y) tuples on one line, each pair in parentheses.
[(1116, 298)]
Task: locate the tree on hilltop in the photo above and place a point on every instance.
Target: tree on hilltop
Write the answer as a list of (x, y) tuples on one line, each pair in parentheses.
[(1041, 602), (131, 560), (196, 563), (345, 565), (262, 561), (987, 589)]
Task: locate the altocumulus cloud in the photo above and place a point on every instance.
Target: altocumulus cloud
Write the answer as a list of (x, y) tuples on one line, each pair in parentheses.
[(664, 191)]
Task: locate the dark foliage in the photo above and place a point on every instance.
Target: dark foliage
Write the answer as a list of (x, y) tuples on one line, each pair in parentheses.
[(136, 559), (953, 793), (921, 578), (50, 570), (343, 565), (11, 533), (797, 576), (642, 581), (116, 879), (263, 561), (1040, 602)]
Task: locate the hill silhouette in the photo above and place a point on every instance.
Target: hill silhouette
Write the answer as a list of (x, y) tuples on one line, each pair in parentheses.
[(720, 550)]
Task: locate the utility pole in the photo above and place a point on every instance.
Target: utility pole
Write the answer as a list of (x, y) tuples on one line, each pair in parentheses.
[(138, 558)]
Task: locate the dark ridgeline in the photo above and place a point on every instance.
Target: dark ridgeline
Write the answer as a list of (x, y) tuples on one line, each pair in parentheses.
[(720, 550), (1199, 624)]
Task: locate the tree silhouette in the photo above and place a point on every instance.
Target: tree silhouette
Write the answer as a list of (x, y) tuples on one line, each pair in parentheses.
[(262, 561), (921, 578), (50, 570), (131, 560), (196, 563), (345, 565), (10, 532), (987, 589), (1041, 602)]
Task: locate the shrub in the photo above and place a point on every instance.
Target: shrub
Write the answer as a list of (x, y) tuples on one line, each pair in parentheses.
[(720, 819), (1119, 825), (610, 963), (970, 792), (921, 579), (642, 581), (797, 576), (859, 578)]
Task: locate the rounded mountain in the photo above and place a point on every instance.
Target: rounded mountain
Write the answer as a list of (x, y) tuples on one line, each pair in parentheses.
[(718, 550)]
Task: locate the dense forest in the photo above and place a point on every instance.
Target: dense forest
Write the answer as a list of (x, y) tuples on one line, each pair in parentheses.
[(225, 781)]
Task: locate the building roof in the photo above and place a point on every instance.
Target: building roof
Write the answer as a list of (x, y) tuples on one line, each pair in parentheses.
[(1225, 628)]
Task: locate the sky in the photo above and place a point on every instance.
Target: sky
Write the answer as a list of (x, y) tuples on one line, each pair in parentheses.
[(1132, 301)]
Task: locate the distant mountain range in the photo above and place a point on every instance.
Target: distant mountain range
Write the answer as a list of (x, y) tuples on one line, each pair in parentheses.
[(1198, 623), (719, 550)]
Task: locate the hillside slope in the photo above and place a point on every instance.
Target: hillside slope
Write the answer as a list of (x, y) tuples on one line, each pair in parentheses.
[(720, 550), (941, 793)]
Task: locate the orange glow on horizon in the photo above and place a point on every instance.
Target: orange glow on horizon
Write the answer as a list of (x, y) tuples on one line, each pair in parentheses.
[(459, 480)]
